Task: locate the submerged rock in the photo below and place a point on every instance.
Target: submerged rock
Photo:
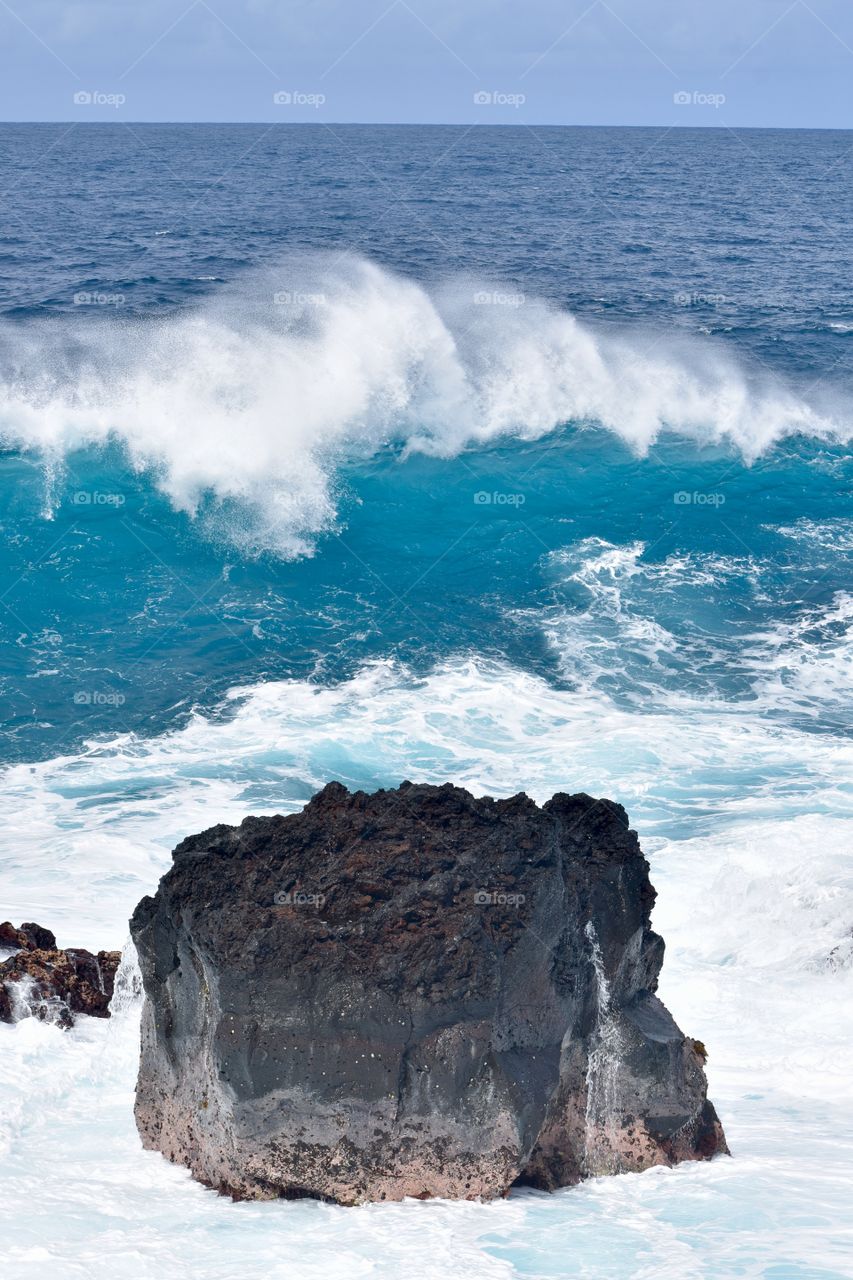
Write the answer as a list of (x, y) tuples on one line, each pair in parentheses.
[(412, 993), (40, 980)]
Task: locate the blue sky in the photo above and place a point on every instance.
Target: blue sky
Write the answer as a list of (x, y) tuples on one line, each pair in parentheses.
[(690, 62)]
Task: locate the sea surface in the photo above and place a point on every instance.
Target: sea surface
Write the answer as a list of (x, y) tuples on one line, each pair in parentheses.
[(514, 457)]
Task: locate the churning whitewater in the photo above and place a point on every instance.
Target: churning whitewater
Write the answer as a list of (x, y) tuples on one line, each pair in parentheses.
[(758, 958), (505, 506)]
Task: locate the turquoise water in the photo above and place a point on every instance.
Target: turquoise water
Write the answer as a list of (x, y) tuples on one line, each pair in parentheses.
[(380, 456)]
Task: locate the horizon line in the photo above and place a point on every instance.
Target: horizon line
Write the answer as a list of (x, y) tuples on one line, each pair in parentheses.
[(452, 124)]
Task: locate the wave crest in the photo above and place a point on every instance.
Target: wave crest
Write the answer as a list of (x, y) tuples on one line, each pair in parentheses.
[(259, 396)]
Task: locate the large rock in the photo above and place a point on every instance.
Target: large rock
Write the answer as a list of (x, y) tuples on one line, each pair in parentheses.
[(40, 980), (412, 993)]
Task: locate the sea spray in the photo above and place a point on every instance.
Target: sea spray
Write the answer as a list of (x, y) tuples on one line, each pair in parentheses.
[(26, 1002), (127, 989), (272, 399)]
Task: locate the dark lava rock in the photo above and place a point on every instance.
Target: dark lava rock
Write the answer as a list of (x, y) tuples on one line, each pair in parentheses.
[(41, 981), (412, 993), (27, 937)]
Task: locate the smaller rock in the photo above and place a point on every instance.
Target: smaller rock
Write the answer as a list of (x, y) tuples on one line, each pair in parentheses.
[(29, 937), (40, 980)]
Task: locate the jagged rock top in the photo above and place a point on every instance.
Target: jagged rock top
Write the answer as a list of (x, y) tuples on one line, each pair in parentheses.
[(419, 859)]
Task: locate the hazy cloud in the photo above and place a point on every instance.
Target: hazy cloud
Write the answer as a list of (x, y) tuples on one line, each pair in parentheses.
[(737, 62)]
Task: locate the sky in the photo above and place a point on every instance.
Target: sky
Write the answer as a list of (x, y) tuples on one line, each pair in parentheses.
[(729, 63)]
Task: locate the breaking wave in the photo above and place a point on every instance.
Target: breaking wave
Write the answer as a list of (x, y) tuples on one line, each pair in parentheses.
[(245, 410)]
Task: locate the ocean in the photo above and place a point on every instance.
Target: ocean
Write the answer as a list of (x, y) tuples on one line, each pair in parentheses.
[(513, 457)]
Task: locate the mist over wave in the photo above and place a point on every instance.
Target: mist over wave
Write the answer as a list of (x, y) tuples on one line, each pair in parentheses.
[(245, 409)]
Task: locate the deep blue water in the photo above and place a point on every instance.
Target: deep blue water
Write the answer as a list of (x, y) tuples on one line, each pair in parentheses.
[(613, 223), (122, 613)]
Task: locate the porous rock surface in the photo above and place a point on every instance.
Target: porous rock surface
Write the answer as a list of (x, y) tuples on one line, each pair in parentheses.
[(412, 993)]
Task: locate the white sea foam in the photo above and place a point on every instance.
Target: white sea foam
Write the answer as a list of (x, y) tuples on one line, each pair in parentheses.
[(830, 535), (743, 823), (801, 664), (257, 397), (806, 663), (97, 827)]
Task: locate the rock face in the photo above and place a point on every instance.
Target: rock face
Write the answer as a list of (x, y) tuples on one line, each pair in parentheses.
[(412, 993), (41, 981)]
